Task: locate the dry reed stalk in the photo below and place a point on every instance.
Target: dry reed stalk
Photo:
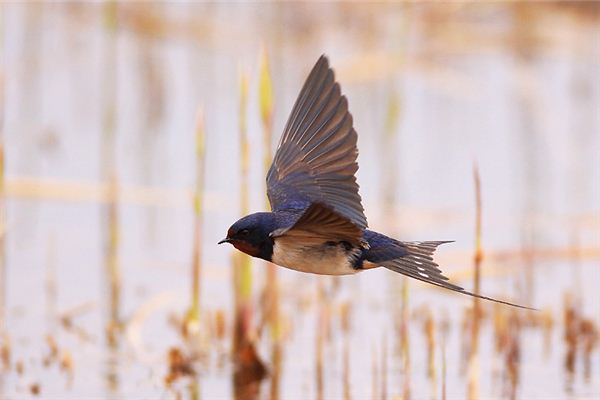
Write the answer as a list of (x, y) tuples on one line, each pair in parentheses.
[(50, 283), (3, 229), (5, 351), (345, 328), (374, 374), (547, 326), (3, 222), (473, 384), (444, 329), (581, 336), (110, 228), (192, 319), (513, 354), (112, 268), (151, 115), (320, 338), (345, 310), (590, 337), (404, 339), (390, 159), (276, 364), (429, 331), (507, 328), (390, 182), (111, 261), (571, 333), (576, 259), (219, 325), (384, 369), (346, 370), (525, 47), (500, 321)]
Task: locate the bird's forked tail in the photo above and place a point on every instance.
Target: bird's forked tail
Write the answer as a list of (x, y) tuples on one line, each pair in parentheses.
[(414, 259)]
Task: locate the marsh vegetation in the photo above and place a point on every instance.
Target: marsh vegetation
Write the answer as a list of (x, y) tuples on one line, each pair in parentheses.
[(132, 135)]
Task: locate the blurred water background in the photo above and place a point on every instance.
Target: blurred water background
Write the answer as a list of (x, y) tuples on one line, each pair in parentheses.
[(100, 117)]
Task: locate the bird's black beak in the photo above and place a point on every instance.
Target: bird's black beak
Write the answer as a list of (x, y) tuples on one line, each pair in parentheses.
[(226, 240)]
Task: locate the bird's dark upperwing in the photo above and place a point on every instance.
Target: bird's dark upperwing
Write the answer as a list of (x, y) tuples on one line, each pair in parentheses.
[(316, 158), (319, 224)]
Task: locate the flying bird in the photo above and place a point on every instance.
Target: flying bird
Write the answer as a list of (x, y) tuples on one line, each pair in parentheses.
[(318, 224)]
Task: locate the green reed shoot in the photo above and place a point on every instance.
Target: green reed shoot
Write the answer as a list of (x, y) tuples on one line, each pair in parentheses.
[(246, 263), (265, 92), (193, 315), (266, 113), (242, 269)]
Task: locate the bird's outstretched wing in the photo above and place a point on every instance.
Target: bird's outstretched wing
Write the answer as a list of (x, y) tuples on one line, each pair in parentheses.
[(316, 158), (320, 224)]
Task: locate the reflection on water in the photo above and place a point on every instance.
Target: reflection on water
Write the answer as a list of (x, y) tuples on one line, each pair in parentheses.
[(248, 373), (99, 172)]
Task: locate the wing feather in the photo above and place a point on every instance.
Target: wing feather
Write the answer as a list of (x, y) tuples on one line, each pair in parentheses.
[(316, 158), (321, 224)]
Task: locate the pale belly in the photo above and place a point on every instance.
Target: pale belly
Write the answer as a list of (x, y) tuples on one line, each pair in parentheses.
[(320, 259)]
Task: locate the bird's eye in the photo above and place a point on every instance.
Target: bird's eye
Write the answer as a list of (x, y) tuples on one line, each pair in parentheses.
[(244, 232)]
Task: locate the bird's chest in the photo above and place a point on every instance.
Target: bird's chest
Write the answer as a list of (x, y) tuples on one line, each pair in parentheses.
[(322, 258)]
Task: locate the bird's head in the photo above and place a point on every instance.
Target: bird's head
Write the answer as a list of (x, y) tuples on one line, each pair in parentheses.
[(251, 235)]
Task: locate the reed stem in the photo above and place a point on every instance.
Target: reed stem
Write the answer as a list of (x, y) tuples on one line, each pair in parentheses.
[(110, 227), (3, 222), (242, 271), (429, 331), (473, 385), (320, 338), (3, 230), (346, 369), (266, 112), (108, 159), (193, 316), (404, 338)]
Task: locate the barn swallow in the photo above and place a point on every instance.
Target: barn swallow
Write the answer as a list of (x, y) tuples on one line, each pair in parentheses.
[(318, 223)]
